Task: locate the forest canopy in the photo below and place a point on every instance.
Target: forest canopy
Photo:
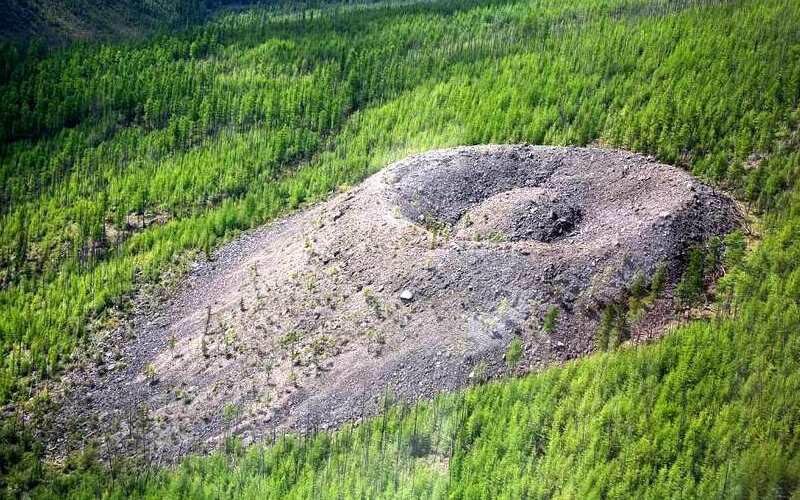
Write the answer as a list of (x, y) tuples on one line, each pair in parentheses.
[(121, 161)]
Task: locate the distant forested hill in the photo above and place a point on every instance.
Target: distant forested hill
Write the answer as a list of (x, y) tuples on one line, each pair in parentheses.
[(55, 22)]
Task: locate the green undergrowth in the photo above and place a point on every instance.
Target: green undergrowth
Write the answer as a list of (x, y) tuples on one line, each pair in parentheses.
[(709, 411), (117, 160)]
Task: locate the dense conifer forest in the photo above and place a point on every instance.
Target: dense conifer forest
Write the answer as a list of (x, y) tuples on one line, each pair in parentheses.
[(121, 162), (57, 22)]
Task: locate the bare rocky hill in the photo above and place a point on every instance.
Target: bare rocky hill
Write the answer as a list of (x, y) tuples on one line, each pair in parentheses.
[(413, 283)]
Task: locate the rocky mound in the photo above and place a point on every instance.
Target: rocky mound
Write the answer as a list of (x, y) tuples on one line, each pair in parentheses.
[(410, 284)]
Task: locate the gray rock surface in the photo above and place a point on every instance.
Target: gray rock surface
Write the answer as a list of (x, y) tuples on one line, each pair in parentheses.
[(403, 285)]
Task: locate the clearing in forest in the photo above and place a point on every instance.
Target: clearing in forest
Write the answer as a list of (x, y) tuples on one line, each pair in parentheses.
[(445, 268)]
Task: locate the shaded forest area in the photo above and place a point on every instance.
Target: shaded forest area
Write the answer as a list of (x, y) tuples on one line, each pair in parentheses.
[(43, 23), (121, 161)]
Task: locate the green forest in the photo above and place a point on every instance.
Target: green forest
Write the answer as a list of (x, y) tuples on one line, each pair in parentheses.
[(122, 161), (58, 22)]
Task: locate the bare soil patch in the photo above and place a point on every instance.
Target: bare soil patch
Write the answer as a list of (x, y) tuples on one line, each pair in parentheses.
[(407, 284)]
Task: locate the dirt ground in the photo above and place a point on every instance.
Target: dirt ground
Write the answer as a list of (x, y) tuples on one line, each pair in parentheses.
[(412, 283)]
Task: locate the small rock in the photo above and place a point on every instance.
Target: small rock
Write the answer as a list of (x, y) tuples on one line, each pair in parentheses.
[(406, 295)]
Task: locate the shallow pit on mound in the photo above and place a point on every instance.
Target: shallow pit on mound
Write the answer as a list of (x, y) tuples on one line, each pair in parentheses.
[(411, 283), (520, 214)]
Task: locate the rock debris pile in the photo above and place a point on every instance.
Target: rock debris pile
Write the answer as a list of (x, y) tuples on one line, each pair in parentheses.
[(409, 284)]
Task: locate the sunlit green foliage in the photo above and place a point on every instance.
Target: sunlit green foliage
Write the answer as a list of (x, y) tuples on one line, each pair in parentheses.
[(709, 411), (613, 329), (514, 352), (660, 279), (119, 159), (690, 287), (550, 319)]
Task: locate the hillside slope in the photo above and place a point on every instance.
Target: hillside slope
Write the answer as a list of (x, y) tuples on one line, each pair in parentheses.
[(122, 163), (56, 22)]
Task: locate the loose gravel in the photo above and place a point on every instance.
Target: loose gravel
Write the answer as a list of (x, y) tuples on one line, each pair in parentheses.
[(412, 283)]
